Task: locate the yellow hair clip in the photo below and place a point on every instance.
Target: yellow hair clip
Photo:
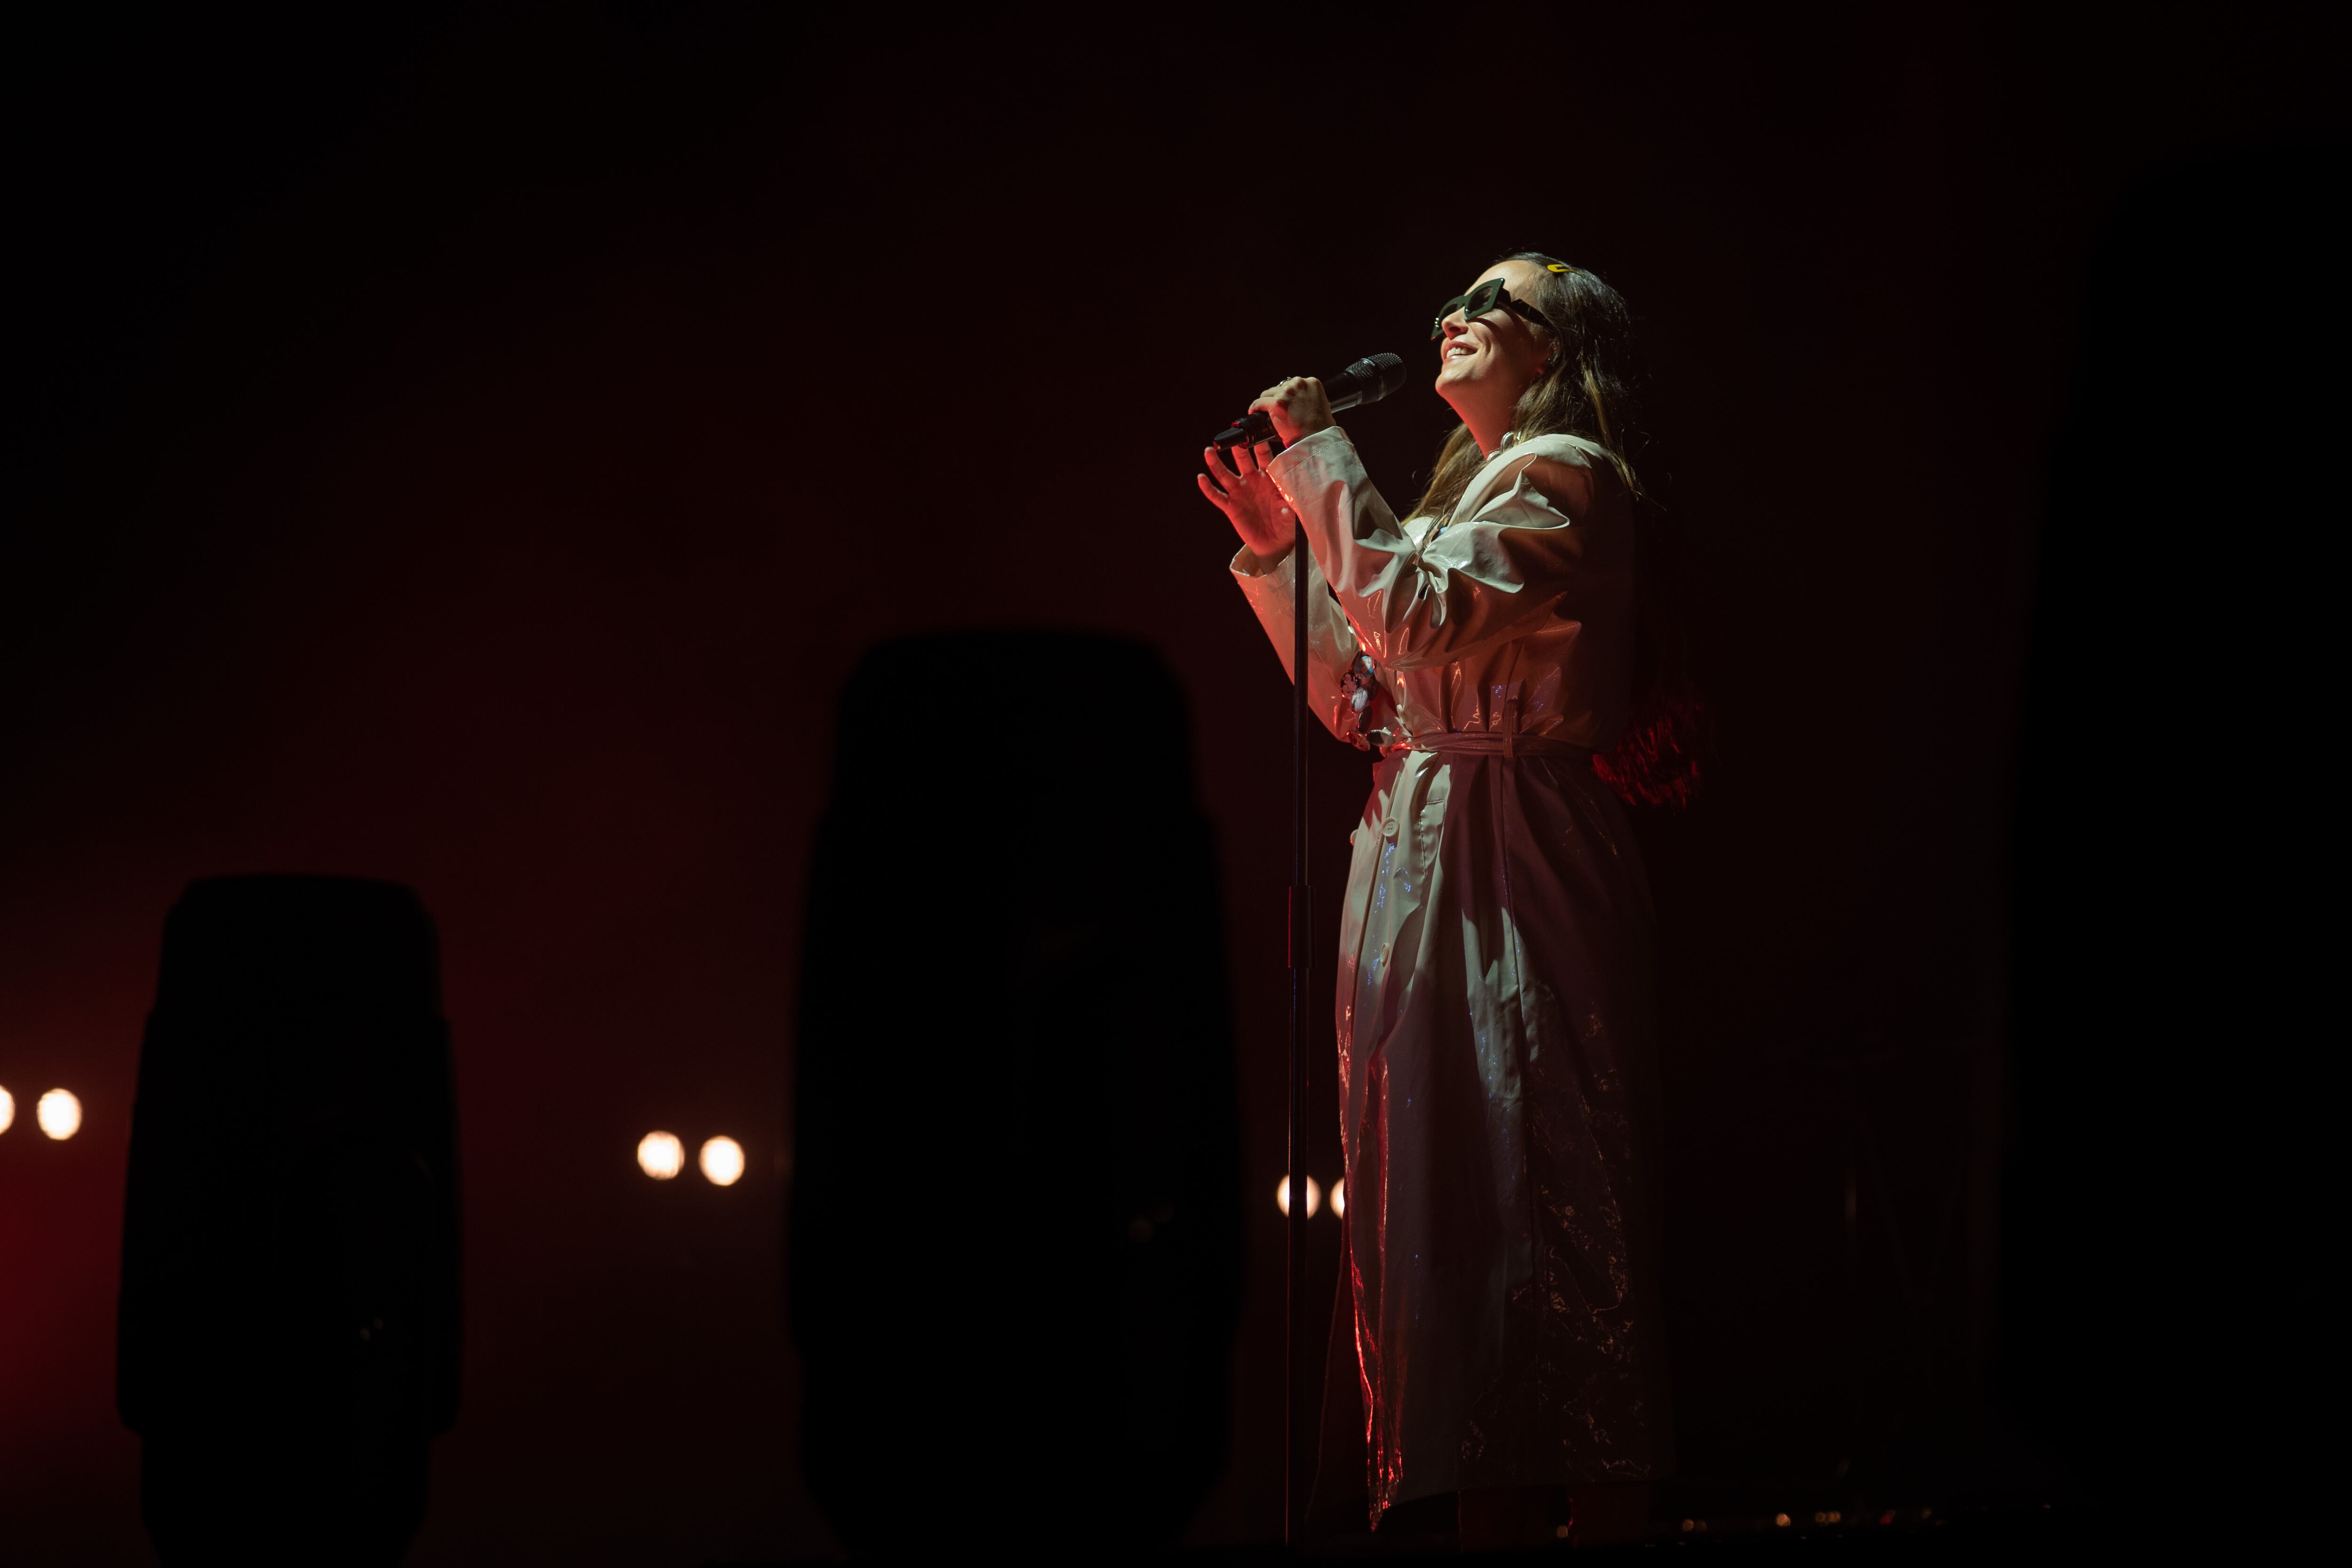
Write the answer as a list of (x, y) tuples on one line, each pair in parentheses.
[(1557, 267)]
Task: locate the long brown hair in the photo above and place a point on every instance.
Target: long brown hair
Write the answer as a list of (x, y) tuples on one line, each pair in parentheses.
[(1587, 389)]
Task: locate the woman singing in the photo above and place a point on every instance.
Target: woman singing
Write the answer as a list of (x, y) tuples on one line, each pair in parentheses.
[(1497, 1081)]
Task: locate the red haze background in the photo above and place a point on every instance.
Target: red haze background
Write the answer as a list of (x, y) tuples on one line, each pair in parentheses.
[(470, 447)]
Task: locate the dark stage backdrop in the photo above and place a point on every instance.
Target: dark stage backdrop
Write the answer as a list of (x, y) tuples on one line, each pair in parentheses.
[(471, 449)]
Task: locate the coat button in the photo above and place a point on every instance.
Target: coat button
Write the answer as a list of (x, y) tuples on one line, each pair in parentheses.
[(1388, 828)]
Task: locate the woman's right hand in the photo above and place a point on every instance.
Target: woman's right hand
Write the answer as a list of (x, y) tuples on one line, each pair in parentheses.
[(1251, 501)]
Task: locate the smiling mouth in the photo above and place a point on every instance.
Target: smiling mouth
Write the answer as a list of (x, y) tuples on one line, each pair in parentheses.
[(1454, 353)]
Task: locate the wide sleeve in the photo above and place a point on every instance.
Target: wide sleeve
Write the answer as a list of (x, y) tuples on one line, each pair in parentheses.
[(1338, 681), (1484, 579)]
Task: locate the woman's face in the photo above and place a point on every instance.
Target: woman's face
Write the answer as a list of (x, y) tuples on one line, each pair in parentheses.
[(1494, 359)]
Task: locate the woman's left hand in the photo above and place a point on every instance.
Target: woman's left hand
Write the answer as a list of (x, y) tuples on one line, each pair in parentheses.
[(1251, 500), (1298, 406)]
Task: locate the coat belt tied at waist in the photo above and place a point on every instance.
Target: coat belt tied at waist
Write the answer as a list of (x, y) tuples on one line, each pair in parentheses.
[(1494, 743), (1504, 741)]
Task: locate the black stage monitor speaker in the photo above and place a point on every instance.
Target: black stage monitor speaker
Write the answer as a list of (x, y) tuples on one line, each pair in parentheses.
[(1016, 1229), (289, 1316)]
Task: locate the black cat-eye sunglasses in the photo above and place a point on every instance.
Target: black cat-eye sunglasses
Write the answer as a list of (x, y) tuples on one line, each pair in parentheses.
[(1488, 296)]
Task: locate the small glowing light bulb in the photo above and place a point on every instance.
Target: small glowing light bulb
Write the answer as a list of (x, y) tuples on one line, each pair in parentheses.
[(7, 1111), (1339, 1199), (59, 1115), (660, 1155), (1281, 1195), (722, 1162)]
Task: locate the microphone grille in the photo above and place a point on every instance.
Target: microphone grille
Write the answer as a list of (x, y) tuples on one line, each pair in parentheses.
[(1367, 380)]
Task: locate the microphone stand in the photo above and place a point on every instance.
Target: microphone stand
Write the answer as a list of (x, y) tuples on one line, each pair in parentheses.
[(1254, 430), (1295, 1470), (1369, 380)]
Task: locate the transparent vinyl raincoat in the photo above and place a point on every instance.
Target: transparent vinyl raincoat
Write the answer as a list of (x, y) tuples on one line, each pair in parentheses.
[(1498, 1100)]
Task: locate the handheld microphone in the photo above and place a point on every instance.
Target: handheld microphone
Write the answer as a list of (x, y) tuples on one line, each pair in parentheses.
[(1367, 380)]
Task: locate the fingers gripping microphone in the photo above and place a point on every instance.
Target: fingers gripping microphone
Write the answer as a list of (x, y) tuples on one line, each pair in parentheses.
[(1367, 380)]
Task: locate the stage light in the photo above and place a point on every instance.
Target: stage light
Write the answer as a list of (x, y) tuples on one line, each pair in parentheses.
[(59, 1115), (1780, 1518), (1281, 1195), (660, 1155), (722, 1162), (7, 1111), (1339, 1200)]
